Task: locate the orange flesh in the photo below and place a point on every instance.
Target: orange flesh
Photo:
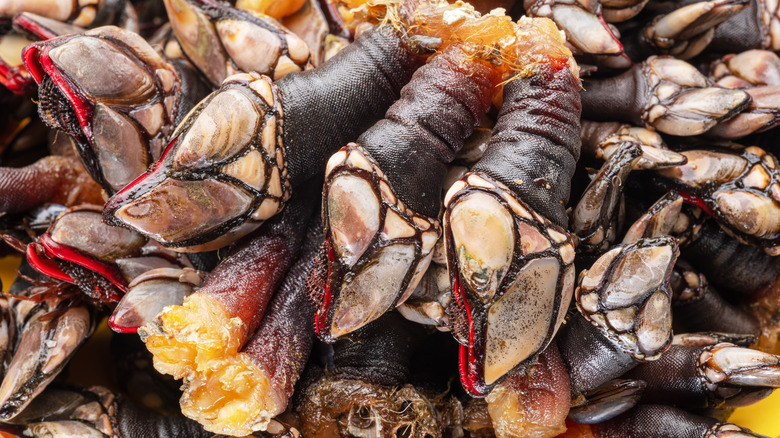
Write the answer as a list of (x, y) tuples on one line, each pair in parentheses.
[(184, 339), (519, 47), (232, 396)]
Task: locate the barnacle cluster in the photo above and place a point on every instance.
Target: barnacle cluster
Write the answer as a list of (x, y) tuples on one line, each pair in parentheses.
[(387, 218)]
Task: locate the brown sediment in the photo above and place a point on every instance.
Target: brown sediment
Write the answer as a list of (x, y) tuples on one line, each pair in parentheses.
[(532, 404)]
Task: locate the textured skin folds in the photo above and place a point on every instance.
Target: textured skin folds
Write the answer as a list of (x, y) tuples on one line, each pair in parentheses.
[(328, 107), (245, 281), (422, 132), (647, 421), (590, 357), (284, 339), (536, 143), (51, 179), (732, 267)]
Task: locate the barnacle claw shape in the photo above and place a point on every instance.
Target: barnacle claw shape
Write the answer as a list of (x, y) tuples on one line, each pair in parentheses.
[(582, 21), (742, 191), (377, 248), (763, 113), (615, 11), (703, 339), (747, 69), (222, 41), (223, 174), (512, 277), (83, 14), (604, 139), (627, 296), (679, 100), (80, 249), (725, 364), (149, 293), (120, 123), (665, 94), (47, 341), (661, 219), (594, 218), (97, 412), (686, 31)]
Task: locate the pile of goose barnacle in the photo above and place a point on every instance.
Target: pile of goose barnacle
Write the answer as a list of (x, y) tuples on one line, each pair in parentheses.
[(390, 218)]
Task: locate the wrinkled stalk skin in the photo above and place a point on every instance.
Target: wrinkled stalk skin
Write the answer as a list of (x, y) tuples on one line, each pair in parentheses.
[(645, 421), (426, 127), (282, 343), (51, 179), (591, 358), (536, 140), (605, 99), (247, 279), (742, 32), (378, 353), (675, 379), (696, 315), (327, 107), (411, 148), (734, 268), (132, 421)]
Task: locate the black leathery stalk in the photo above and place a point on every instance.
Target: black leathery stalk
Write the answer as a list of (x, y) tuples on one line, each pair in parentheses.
[(424, 130), (536, 141), (378, 353), (345, 96)]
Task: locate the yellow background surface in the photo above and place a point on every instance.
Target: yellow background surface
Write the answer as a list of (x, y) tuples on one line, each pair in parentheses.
[(762, 417)]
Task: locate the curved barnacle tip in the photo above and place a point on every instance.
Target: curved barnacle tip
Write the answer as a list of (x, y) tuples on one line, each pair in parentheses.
[(186, 338), (187, 215), (31, 61), (232, 396), (626, 295)]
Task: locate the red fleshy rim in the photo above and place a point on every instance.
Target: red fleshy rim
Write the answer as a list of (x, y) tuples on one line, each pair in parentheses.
[(118, 328), (37, 61), (15, 78), (321, 316), (64, 252), (45, 265), (467, 366)]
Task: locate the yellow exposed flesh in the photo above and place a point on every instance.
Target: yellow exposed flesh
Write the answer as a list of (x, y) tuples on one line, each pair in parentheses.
[(519, 46), (186, 338), (232, 396)]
